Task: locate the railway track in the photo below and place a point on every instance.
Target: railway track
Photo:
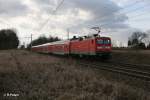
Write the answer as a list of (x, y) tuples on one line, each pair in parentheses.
[(134, 66), (122, 68), (134, 70)]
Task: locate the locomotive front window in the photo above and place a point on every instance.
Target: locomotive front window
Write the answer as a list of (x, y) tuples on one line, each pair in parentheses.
[(99, 41), (104, 41)]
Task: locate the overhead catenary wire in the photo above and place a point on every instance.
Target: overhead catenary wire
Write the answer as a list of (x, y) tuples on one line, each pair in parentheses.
[(5, 22), (45, 23), (138, 18), (126, 7), (127, 12), (113, 21), (47, 20), (105, 17), (133, 4)]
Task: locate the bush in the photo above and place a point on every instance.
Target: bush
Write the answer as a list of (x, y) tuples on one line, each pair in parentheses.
[(8, 39)]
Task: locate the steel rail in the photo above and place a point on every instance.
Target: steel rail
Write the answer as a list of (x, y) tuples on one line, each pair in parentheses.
[(133, 66), (145, 65), (117, 67), (120, 69)]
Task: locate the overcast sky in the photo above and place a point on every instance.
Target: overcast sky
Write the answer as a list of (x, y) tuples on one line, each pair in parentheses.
[(117, 18)]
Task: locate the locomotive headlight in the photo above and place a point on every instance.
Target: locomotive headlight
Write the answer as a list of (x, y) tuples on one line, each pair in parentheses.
[(103, 47), (107, 47), (99, 47)]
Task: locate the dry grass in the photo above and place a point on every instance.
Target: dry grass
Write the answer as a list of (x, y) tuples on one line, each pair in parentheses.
[(132, 56), (40, 77)]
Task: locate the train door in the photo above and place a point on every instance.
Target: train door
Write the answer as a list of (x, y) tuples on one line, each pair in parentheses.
[(92, 47)]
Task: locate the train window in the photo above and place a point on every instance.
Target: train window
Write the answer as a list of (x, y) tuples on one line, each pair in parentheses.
[(99, 41), (105, 41)]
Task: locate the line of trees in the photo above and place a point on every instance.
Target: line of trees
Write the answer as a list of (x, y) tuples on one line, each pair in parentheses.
[(139, 40), (42, 40), (148, 46), (8, 39)]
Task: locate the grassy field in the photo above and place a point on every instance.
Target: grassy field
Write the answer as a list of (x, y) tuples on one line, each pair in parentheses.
[(132, 56), (34, 76)]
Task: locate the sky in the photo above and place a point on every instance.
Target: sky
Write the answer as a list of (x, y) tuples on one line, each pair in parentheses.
[(118, 19)]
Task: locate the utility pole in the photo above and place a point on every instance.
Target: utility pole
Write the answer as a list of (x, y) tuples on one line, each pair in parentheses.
[(24, 45), (31, 42), (68, 33)]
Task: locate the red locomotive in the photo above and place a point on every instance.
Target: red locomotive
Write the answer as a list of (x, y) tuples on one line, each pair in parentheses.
[(96, 46)]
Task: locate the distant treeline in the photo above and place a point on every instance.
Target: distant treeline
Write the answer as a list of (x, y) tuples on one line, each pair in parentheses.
[(139, 40), (8, 39), (42, 40)]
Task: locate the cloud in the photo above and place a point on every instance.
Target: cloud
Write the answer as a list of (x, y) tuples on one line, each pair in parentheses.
[(97, 12), (74, 14), (12, 8), (78, 15), (99, 8), (45, 6)]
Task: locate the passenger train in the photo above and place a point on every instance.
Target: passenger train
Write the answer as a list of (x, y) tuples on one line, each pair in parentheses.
[(89, 46)]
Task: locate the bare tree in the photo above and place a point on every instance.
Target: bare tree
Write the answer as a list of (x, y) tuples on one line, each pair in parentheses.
[(137, 39), (114, 44)]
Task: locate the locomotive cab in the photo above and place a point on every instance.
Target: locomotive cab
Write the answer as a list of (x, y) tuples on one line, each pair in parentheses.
[(103, 46)]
